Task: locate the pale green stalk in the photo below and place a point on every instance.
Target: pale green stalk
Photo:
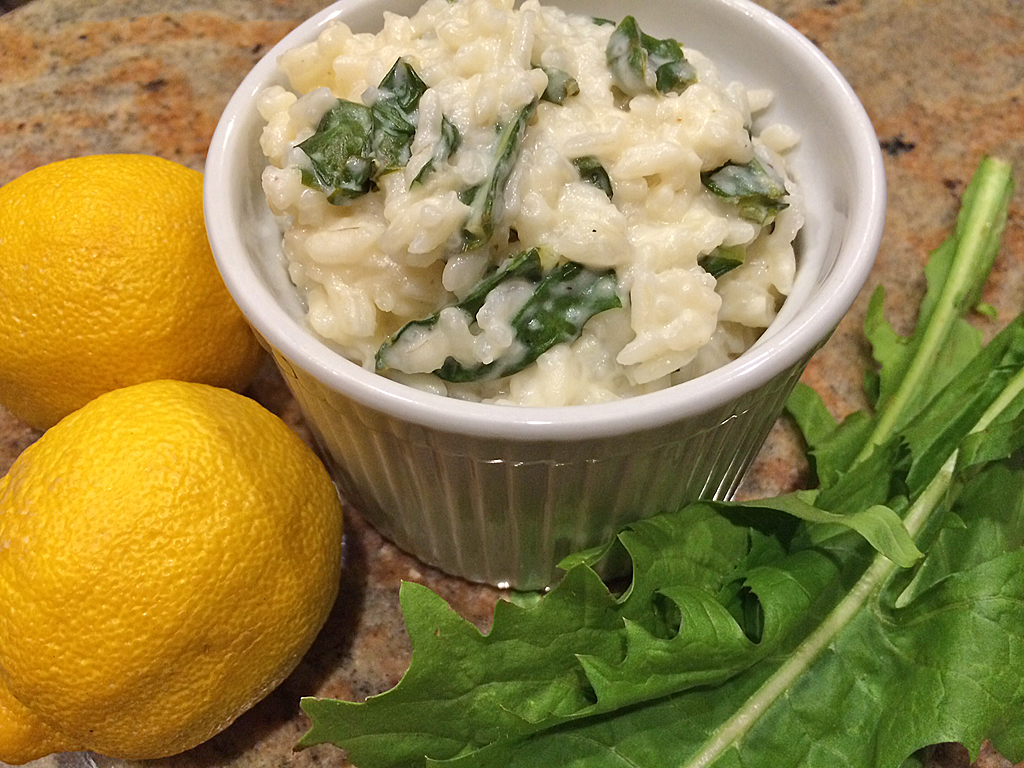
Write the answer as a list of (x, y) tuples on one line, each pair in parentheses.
[(978, 236)]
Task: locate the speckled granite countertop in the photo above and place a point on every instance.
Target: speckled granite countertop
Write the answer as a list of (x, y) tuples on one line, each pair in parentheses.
[(941, 84)]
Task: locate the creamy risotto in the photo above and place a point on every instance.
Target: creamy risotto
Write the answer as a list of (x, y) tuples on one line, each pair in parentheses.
[(521, 206)]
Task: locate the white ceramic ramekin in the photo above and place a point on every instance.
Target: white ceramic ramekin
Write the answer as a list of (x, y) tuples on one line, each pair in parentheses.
[(500, 494)]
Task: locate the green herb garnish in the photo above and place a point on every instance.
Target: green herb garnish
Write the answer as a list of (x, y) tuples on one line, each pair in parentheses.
[(632, 55), (395, 116), (341, 153), (487, 197), (722, 259), (755, 188), (562, 302), (592, 172), (446, 146), (354, 144)]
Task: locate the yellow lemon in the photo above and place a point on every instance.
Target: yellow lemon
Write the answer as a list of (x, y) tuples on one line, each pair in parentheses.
[(107, 280), (167, 555)]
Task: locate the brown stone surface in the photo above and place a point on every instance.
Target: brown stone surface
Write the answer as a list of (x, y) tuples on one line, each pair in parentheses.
[(942, 86)]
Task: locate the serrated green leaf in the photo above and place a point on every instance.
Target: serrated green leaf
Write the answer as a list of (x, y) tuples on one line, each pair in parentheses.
[(470, 705), (877, 523), (831, 446), (954, 413), (889, 682), (708, 645), (993, 503)]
